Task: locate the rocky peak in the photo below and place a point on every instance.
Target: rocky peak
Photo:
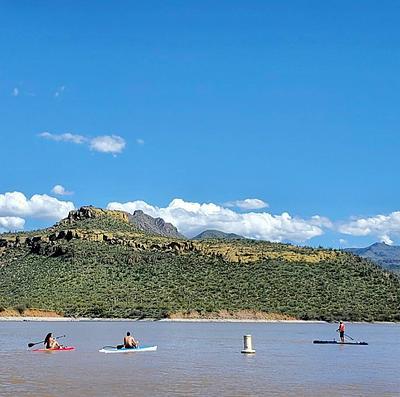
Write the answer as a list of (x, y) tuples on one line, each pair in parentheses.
[(154, 225)]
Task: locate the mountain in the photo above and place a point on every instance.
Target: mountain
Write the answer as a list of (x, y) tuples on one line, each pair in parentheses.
[(154, 225), (387, 256), (138, 219), (217, 234), (99, 263)]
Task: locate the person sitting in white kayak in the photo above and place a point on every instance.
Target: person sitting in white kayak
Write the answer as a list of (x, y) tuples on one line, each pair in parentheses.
[(50, 342), (130, 342)]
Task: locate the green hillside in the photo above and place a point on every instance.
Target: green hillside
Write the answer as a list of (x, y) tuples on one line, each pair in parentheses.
[(103, 267), (217, 234)]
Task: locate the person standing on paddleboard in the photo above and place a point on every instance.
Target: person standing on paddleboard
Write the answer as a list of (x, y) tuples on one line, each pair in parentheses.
[(341, 330), (50, 342), (130, 342)]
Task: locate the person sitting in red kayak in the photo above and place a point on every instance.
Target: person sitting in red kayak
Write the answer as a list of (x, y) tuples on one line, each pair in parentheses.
[(50, 342), (341, 330), (130, 342)]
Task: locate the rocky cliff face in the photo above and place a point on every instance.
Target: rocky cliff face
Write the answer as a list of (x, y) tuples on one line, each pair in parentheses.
[(89, 212), (154, 225)]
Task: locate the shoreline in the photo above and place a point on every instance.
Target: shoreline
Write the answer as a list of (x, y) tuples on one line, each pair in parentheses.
[(243, 316), (164, 320), (176, 320)]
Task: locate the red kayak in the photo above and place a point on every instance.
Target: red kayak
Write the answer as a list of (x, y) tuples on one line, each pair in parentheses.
[(61, 349)]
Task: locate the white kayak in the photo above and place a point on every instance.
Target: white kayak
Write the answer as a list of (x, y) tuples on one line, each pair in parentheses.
[(114, 349)]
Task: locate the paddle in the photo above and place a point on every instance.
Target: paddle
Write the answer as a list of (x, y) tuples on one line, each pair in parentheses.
[(348, 336), (119, 347), (37, 343), (114, 347)]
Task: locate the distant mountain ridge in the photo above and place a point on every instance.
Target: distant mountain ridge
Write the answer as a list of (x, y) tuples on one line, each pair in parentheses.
[(217, 234), (387, 256)]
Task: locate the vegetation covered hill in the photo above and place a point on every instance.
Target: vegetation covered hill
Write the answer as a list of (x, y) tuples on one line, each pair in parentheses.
[(104, 266), (387, 256), (217, 234)]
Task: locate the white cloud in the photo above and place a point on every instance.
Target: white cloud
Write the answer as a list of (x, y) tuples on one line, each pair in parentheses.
[(248, 204), (140, 141), (106, 143), (342, 241), (191, 218), (321, 221), (61, 191), (11, 223), (38, 206), (59, 91), (381, 226), (386, 239), (15, 92), (67, 137)]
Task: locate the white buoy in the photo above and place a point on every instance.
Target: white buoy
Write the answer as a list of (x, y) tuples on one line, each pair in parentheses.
[(247, 345)]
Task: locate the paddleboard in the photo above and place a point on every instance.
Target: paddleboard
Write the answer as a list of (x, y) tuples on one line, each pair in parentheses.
[(110, 349), (61, 349), (335, 342)]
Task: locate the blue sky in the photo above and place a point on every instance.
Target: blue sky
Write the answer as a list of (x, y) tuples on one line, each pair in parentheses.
[(292, 103)]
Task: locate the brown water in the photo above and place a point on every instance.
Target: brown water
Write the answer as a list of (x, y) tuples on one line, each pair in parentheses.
[(200, 359)]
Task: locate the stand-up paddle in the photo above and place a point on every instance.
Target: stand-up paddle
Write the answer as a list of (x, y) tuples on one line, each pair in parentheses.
[(42, 341), (347, 336)]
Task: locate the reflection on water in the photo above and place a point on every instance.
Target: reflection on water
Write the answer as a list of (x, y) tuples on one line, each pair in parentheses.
[(200, 359)]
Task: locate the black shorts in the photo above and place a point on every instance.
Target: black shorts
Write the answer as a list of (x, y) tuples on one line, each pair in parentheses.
[(341, 334)]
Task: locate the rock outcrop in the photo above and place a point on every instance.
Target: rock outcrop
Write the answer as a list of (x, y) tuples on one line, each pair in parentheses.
[(89, 212)]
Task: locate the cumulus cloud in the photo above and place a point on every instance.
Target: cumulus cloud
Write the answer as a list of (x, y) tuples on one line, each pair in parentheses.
[(113, 144), (248, 204), (61, 191), (386, 239), (38, 206), (108, 144), (13, 223), (192, 218), (381, 226), (321, 221)]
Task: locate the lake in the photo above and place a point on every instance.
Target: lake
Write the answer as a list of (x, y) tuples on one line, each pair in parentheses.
[(200, 359)]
